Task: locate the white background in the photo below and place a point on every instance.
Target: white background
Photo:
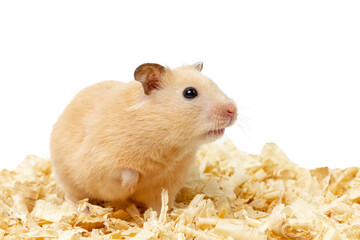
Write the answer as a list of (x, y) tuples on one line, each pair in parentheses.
[(293, 67)]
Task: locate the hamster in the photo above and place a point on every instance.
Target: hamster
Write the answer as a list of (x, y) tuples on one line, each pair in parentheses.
[(118, 140)]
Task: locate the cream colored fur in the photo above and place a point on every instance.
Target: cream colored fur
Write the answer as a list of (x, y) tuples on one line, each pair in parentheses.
[(112, 126)]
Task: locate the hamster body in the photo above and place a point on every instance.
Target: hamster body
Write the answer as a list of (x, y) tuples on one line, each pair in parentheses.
[(119, 140)]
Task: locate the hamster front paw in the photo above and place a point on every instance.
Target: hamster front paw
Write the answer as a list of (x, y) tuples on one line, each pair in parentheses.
[(129, 179)]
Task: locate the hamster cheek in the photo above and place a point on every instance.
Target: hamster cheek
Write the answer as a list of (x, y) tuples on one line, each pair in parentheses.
[(129, 179)]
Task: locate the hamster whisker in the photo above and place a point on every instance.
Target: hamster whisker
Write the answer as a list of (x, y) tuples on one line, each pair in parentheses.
[(243, 129), (243, 122)]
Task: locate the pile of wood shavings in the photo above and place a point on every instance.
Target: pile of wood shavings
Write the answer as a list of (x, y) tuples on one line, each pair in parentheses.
[(228, 195)]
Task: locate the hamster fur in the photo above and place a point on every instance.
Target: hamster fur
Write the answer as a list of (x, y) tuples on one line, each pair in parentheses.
[(119, 140)]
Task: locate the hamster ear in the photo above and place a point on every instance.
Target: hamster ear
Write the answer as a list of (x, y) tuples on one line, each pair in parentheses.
[(198, 66), (150, 75)]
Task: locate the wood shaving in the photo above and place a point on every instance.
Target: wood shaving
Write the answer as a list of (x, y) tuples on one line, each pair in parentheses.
[(228, 195)]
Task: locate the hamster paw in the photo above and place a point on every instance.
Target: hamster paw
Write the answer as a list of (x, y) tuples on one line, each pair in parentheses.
[(129, 179)]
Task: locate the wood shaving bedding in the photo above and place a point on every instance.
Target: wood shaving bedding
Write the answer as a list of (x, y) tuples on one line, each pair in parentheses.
[(228, 195)]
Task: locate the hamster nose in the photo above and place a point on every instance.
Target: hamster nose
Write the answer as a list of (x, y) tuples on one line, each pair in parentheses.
[(230, 109)]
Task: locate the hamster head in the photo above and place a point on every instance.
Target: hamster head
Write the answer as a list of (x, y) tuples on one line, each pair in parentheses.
[(189, 106)]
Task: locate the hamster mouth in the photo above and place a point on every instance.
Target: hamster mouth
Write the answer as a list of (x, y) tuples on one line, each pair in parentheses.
[(216, 132)]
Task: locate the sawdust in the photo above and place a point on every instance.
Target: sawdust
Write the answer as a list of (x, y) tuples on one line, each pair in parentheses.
[(228, 195)]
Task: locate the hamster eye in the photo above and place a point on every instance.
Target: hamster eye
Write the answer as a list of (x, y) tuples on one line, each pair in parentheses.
[(190, 92)]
